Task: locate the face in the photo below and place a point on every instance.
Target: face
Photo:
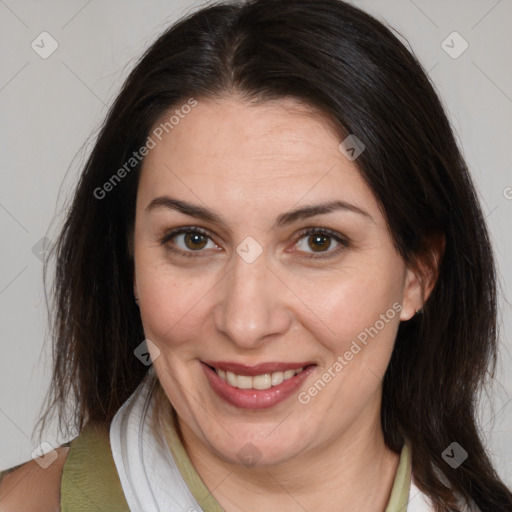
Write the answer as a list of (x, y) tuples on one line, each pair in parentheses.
[(273, 329)]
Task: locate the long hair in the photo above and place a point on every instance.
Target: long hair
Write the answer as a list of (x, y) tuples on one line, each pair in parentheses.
[(347, 65)]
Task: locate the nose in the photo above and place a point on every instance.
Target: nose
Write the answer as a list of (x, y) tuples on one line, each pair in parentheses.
[(253, 305)]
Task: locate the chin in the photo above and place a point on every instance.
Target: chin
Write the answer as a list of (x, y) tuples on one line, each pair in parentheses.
[(257, 450)]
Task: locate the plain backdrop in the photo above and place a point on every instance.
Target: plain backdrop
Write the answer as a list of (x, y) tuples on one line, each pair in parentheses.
[(52, 107)]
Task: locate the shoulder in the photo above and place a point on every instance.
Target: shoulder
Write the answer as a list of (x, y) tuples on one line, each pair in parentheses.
[(29, 487)]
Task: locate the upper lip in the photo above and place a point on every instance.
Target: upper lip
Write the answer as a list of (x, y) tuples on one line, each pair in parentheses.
[(256, 369)]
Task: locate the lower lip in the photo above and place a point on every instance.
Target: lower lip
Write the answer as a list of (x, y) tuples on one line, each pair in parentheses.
[(255, 398)]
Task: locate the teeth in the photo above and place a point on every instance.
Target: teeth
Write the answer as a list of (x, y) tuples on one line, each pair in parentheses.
[(264, 381), (243, 381), (231, 378), (261, 381), (277, 378), (288, 374)]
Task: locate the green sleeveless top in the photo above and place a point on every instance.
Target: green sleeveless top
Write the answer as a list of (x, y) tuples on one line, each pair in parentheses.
[(90, 480)]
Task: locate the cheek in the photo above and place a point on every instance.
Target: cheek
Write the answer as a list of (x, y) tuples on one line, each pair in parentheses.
[(360, 304), (171, 300)]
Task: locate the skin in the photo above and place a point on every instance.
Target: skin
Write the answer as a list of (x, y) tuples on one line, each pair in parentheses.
[(251, 163)]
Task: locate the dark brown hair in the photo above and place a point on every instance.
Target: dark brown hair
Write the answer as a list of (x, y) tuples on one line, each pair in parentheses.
[(343, 62)]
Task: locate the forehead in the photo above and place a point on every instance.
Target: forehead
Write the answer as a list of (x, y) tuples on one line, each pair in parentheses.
[(230, 152)]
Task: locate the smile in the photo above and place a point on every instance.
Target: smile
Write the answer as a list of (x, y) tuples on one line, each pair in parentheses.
[(256, 387), (263, 381)]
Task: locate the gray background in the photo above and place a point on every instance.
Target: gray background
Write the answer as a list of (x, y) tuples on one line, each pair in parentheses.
[(51, 109)]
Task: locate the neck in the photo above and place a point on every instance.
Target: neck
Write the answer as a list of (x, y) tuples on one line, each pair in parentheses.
[(355, 470)]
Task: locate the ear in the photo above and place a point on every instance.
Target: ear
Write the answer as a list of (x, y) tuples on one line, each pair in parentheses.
[(421, 277), (412, 299)]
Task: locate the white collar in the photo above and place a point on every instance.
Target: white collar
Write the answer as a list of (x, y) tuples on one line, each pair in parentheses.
[(149, 476), (420, 502)]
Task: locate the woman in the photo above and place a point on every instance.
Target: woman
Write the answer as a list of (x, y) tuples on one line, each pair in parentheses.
[(275, 288)]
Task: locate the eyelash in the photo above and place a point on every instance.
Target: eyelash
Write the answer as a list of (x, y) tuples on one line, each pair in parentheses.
[(308, 231)]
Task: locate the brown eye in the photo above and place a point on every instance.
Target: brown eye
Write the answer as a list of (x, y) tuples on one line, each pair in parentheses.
[(186, 241), (320, 240), (194, 241)]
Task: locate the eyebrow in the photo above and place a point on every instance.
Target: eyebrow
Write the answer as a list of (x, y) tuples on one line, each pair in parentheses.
[(286, 218)]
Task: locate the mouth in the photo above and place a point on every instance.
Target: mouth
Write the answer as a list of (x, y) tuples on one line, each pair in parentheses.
[(256, 387)]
